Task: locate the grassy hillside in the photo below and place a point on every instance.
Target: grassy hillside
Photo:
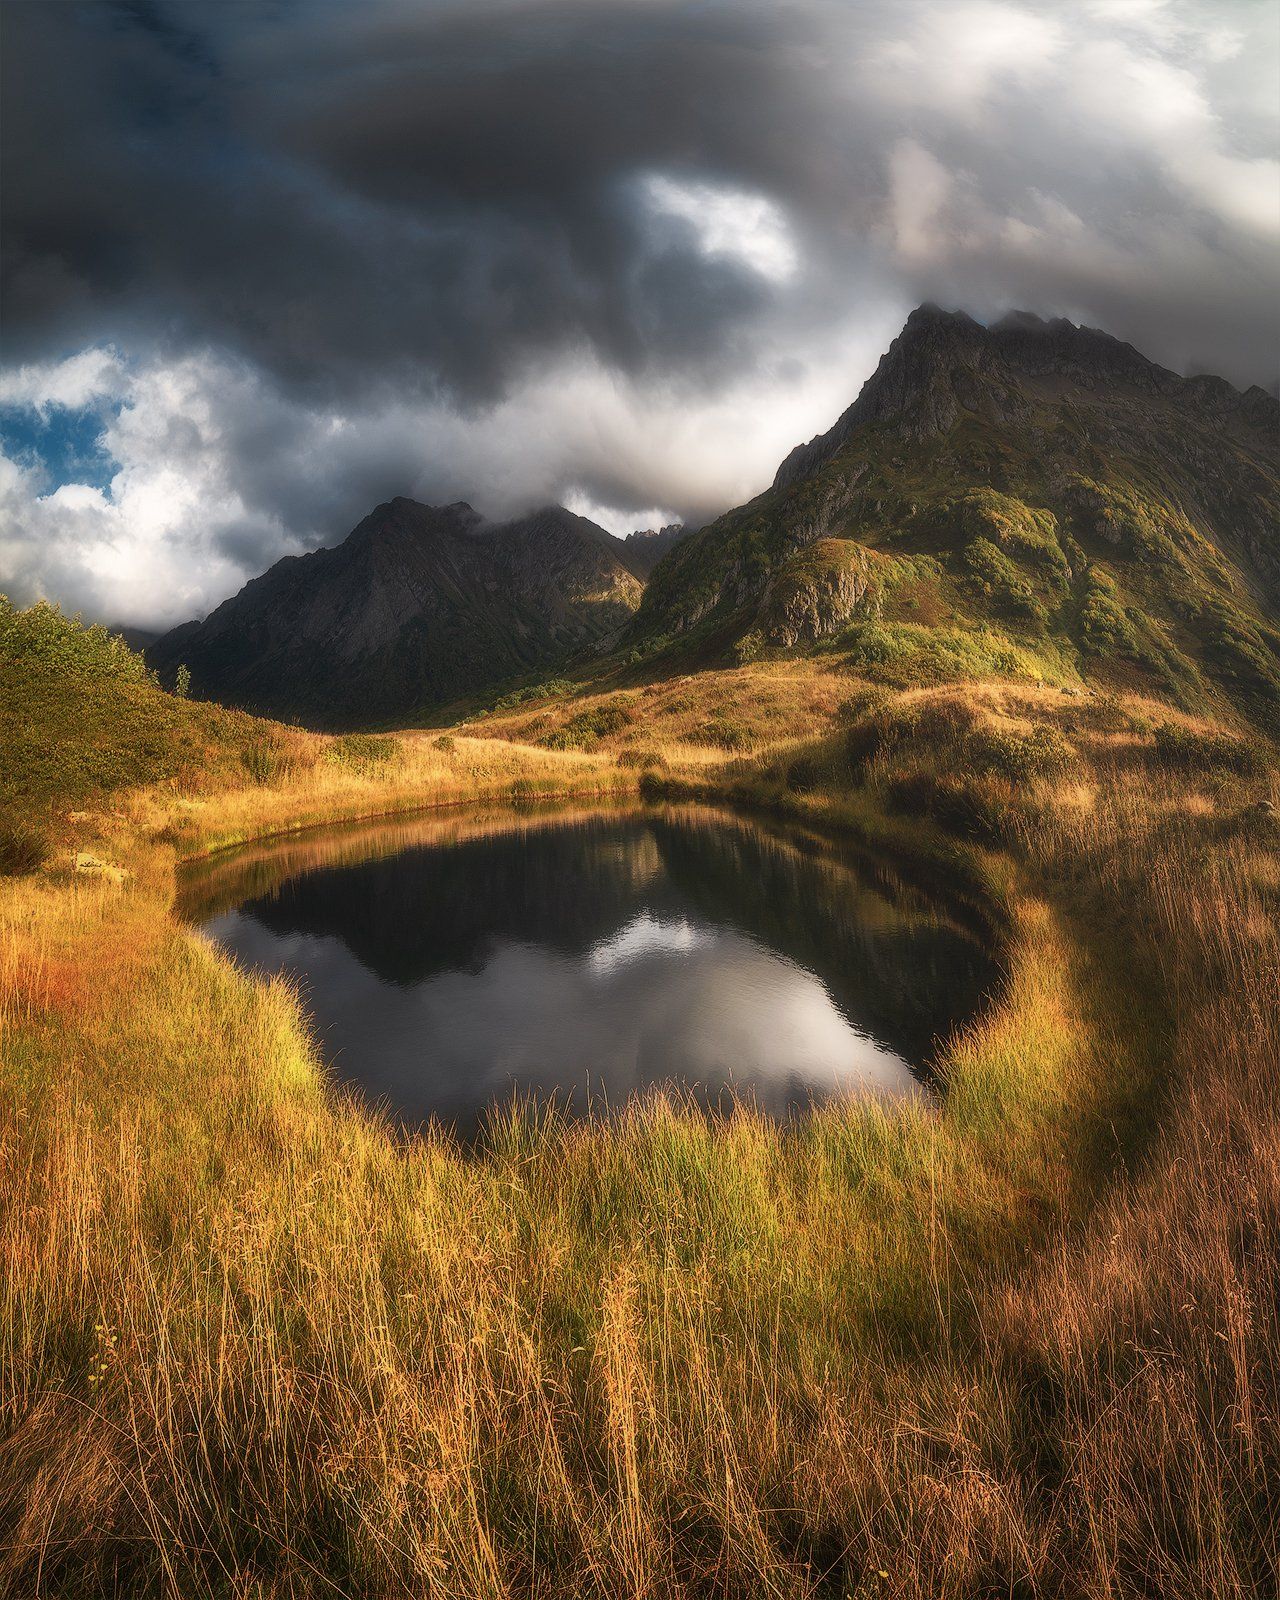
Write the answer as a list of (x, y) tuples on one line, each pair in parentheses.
[(1041, 509), (89, 737), (81, 717), (255, 1344)]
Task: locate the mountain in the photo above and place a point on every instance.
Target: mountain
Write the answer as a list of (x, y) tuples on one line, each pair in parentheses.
[(1028, 497), (419, 605), (643, 549), (139, 639)]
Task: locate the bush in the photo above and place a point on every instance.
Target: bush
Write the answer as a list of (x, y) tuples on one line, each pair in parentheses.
[(23, 848), (1042, 753), (728, 733), (1104, 625), (585, 730), (996, 576), (362, 752), (952, 805), (911, 654), (550, 690), (1187, 750), (267, 760), (804, 775), (640, 756), (938, 723), (1029, 532), (1238, 652), (41, 637), (749, 647)]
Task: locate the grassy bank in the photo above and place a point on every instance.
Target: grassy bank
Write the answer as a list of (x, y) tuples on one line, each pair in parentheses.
[(254, 1344)]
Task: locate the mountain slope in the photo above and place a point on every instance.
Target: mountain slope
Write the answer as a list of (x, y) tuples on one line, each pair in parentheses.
[(419, 605), (1031, 497), (642, 550)]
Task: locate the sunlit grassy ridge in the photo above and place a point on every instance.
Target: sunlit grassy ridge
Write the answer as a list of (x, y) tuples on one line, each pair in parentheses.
[(253, 1344), (1048, 545)]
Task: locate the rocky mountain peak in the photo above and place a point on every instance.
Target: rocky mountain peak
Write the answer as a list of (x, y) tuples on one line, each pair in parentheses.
[(400, 519), (418, 605), (643, 549), (944, 364), (1038, 479)]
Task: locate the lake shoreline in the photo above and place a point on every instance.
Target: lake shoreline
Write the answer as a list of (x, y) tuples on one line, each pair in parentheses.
[(594, 1328)]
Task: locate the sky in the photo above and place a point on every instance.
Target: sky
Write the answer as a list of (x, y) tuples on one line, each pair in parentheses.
[(265, 263)]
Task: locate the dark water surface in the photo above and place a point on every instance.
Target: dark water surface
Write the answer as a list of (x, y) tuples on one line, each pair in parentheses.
[(452, 960)]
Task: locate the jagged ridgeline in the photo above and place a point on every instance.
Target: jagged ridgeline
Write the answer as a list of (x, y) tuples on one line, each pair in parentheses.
[(1031, 498), (417, 606)]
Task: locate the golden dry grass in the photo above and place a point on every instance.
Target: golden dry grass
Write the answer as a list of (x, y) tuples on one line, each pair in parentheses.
[(253, 1344), (694, 719)]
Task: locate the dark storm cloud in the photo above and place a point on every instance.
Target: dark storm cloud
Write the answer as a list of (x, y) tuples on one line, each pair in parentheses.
[(391, 194), (506, 248), (363, 196)]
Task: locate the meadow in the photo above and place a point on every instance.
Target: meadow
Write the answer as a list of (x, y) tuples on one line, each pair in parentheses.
[(254, 1342)]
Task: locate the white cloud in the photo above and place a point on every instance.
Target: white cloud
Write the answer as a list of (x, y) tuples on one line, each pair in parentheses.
[(618, 520), (218, 474), (79, 381), (954, 57), (745, 227), (1081, 104), (145, 549), (920, 195)]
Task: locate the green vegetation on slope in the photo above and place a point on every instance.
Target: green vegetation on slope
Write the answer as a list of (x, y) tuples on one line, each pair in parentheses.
[(253, 1344), (82, 720), (1112, 532)]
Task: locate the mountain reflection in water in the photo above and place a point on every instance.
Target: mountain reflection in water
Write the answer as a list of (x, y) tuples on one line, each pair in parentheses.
[(453, 961)]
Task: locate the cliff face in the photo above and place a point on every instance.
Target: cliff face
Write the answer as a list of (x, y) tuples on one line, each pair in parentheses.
[(642, 550), (418, 606), (1035, 478)]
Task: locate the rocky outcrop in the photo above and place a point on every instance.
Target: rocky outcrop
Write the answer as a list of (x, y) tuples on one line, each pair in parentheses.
[(819, 592), (642, 550)]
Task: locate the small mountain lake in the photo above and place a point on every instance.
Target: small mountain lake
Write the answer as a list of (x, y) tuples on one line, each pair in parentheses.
[(453, 960)]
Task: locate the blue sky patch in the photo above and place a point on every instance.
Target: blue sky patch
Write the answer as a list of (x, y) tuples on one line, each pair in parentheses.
[(62, 442)]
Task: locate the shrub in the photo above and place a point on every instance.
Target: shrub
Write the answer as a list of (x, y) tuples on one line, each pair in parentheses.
[(182, 681), (1042, 753), (550, 690), (41, 637), (585, 730), (875, 734), (876, 644), (267, 760), (643, 757), (23, 847), (446, 742), (749, 647), (804, 775), (1029, 531), (728, 733), (362, 752), (1188, 750), (937, 722), (953, 805), (911, 654), (1104, 626), (1238, 652), (996, 576)]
